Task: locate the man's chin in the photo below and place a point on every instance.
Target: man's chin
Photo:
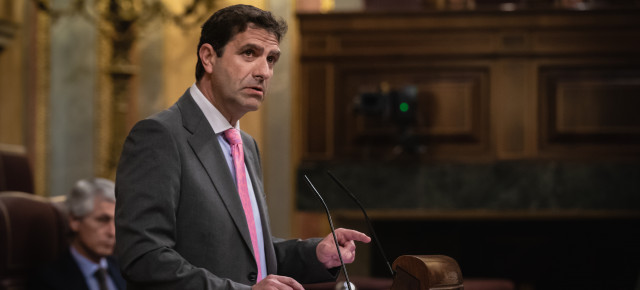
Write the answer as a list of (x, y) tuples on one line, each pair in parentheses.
[(254, 102), (252, 107), (106, 252)]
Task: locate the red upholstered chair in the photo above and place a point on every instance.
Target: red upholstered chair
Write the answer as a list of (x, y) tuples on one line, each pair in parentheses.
[(15, 171), (33, 230)]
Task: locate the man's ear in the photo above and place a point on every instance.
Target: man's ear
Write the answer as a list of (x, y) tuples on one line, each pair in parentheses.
[(74, 224), (207, 56)]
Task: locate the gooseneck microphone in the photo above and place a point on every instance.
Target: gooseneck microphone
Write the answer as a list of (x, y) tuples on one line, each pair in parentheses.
[(333, 231), (366, 217)]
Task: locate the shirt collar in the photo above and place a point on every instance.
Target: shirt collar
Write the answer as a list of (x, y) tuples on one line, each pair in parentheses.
[(87, 267), (218, 122)]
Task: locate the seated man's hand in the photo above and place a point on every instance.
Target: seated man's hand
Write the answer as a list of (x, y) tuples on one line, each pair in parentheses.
[(327, 253), (275, 282)]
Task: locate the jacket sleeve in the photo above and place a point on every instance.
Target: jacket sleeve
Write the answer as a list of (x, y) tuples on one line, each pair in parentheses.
[(298, 259), (147, 195)]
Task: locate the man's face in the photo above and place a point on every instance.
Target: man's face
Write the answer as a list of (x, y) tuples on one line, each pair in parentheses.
[(95, 233), (241, 75)]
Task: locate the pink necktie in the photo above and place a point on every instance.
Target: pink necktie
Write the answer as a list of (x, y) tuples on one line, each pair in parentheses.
[(234, 139)]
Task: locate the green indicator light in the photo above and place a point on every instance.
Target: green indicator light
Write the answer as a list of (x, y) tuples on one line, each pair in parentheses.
[(404, 107)]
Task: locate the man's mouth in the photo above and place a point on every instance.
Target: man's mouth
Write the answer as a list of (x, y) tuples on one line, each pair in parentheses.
[(256, 90)]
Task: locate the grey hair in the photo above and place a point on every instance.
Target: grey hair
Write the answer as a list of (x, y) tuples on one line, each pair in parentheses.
[(79, 201)]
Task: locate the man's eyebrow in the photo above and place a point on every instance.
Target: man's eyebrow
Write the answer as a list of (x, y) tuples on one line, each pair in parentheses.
[(275, 52), (104, 215), (251, 46)]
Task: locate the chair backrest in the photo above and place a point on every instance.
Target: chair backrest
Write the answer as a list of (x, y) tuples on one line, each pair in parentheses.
[(33, 231), (15, 171)]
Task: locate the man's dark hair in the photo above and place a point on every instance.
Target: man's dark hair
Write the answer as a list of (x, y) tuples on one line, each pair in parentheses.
[(227, 22)]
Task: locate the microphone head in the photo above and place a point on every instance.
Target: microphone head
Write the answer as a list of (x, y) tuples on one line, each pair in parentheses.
[(343, 286)]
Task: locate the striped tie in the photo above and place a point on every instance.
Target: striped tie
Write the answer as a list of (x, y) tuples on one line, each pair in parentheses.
[(101, 276)]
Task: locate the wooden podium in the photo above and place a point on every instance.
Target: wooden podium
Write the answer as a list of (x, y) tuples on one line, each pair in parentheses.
[(434, 272), (426, 272)]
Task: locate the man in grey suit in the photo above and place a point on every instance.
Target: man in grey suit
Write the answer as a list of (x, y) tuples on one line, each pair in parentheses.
[(180, 220), (87, 263)]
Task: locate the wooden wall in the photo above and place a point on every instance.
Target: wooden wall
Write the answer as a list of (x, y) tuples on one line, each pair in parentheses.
[(525, 142), (491, 85)]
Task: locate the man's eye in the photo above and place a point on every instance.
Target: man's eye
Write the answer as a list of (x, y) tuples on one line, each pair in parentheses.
[(248, 52), (271, 59), (103, 219)]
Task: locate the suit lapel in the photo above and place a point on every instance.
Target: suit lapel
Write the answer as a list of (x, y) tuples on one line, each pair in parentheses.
[(72, 276), (115, 275), (205, 145)]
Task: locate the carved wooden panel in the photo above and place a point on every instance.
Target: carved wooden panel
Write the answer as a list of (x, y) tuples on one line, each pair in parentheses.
[(317, 133), (527, 84), (583, 108), (450, 109)]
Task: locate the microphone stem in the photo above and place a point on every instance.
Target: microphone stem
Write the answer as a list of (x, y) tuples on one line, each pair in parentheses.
[(333, 231), (366, 217)]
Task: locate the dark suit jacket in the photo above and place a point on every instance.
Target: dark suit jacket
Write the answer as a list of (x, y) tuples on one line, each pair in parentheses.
[(64, 274), (179, 219)]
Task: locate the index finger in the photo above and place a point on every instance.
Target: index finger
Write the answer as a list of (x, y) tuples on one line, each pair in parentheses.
[(347, 234)]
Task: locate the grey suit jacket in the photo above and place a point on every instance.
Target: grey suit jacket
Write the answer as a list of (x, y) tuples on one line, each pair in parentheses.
[(179, 219)]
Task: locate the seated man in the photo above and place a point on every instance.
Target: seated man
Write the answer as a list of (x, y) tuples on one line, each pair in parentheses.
[(86, 265)]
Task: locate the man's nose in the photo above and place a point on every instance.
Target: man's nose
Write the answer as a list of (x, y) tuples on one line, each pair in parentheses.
[(262, 70), (111, 230)]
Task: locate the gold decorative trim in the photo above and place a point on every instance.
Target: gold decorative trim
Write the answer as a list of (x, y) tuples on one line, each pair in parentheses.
[(43, 84), (327, 6), (103, 107)]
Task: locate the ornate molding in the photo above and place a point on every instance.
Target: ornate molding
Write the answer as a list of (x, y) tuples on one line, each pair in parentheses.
[(7, 32), (41, 103)]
